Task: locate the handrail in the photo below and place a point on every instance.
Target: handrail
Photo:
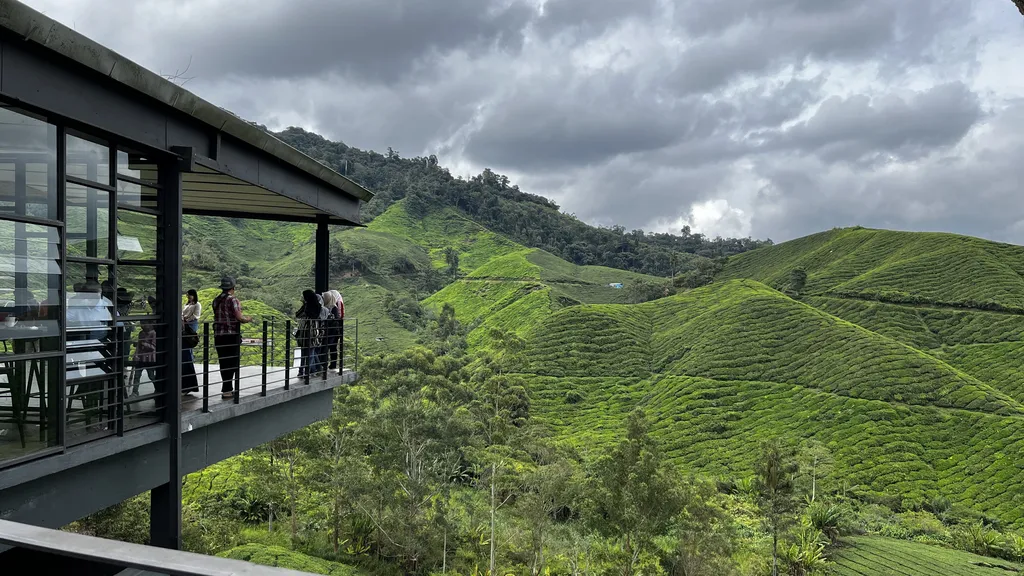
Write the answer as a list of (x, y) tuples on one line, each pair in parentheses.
[(128, 555), (269, 366)]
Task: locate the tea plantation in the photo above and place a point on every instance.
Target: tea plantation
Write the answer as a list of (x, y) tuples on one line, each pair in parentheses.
[(722, 366), (876, 556), (905, 267)]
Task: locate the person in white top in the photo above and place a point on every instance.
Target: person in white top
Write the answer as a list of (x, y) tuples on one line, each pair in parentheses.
[(190, 314)]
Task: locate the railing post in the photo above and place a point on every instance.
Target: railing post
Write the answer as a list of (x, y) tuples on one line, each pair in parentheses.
[(119, 362), (355, 353), (341, 346), (263, 391), (325, 329), (288, 359), (206, 366)]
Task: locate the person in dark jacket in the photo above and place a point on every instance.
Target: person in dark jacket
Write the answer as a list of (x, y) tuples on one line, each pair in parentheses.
[(310, 332)]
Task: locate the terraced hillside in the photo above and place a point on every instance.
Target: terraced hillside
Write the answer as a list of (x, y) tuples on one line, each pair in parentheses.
[(903, 267), (876, 556), (955, 298), (515, 291), (725, 365)]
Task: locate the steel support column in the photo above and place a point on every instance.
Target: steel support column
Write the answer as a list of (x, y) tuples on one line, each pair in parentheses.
[(322, 270), (165, 500)]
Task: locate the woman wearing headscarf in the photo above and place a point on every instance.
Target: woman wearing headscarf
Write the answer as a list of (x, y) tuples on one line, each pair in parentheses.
[(310, 332), (334, 330)]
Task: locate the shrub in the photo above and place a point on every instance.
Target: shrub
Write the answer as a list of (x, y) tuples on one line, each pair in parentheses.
[(574, 397), (827, 518), (979, 539)]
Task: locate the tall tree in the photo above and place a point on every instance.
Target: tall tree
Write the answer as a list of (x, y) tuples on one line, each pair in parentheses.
[(634, 494), (707, 536), (548, 489), (775, 471), (451, 259), (816, 462)]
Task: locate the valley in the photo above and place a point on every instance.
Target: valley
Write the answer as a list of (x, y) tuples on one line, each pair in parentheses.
[(896, 353)]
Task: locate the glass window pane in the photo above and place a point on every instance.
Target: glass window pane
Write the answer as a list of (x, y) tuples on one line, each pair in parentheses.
[(88, 229), (88, 160), (136, 236), (133, 195), (89, 307), (30, 297), (28, 166), (139, 283), (28, 406), (136, 166)]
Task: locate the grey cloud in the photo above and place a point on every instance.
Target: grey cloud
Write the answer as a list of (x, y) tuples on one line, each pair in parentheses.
[(539, 126), (746, 37), (975, 194), (364, 39), (631, 112), (856, 127), (589, 18)]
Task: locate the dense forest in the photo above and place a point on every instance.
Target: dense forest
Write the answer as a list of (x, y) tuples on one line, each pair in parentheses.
[(493, 201)]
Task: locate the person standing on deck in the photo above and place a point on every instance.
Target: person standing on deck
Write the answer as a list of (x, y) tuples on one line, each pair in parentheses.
[(190, 314), (227, 335), (334, 315)]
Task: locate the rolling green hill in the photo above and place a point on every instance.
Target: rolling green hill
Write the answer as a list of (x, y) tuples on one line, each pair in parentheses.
[(722, 366), (899, 353), (876, 556), (903, 267), (515, 291)]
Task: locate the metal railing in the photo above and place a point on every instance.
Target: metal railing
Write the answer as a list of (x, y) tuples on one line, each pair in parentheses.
[(114, 379), (114, 376), (269, 354)]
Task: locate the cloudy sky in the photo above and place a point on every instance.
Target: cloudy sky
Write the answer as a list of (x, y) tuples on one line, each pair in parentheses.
[(770, 118)]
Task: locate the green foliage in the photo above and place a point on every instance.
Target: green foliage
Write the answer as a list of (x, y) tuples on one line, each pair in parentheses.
[(635, 497), (797, 280), (775, 472), (828, 519), (283, 558), (640, 291)]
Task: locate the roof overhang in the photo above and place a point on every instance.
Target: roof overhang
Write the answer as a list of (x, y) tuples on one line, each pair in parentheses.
[(37, 29)]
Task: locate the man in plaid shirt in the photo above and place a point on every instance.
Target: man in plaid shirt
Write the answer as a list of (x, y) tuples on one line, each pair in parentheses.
[(227, 335)]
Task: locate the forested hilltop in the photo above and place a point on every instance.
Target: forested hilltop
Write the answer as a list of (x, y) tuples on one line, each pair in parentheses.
[(493, 201)]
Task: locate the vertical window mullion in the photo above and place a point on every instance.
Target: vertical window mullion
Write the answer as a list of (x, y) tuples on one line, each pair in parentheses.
[(62, 211)]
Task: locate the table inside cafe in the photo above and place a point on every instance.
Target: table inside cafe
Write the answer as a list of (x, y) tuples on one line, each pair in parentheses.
[(18, 378)]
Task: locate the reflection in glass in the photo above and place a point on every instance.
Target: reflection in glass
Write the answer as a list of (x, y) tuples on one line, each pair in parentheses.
[(28, 166), (139, 282), (30, 298), (136, 166), (88, 230), (136, 236), (89, 307), (28, 406), (88, 160), (135, 195)]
